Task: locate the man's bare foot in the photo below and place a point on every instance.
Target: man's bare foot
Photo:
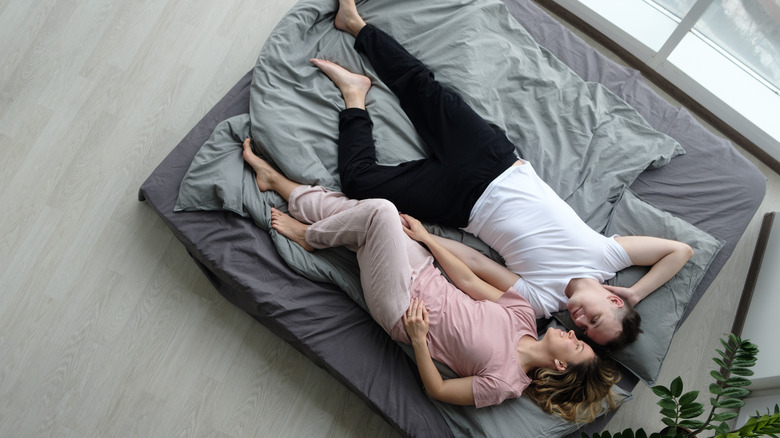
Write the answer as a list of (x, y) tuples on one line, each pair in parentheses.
[(264, 173), (290, 228), (348, 19), (353, 86)]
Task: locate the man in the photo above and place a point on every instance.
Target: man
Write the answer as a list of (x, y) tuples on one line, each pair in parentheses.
[(474, 181)]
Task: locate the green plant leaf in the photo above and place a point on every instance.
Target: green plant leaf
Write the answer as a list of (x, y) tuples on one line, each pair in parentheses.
[(669, 422), (725, 416), (692, 411), (723, 428), (749, 346), (737, 381), (746, 354), (715, 389), (722, 354), (691, 424), (714, 402), (669, 413), (735, 392), (772, 422), (734, 340), (742, 371), (744, 362), (731, 403), (717, 375), (688, 397), (747, 429), (676, 387), (719, 362), (662, 391), (667, 404)]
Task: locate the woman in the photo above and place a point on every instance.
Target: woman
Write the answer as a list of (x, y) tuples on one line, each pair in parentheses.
[(488, 337), (474, 180)]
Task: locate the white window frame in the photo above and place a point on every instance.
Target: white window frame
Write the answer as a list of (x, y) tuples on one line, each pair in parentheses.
[(657, 61)]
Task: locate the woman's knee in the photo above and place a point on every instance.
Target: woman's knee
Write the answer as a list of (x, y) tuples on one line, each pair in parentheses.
[(382, 207), (384, 212)]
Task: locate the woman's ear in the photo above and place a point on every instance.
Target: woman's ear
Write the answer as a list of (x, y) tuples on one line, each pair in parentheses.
[(560, 366)]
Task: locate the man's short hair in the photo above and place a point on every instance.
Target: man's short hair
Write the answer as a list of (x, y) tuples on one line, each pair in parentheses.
[(630, 319)]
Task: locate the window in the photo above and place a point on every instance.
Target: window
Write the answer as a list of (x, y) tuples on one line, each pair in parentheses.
[(723, 53)]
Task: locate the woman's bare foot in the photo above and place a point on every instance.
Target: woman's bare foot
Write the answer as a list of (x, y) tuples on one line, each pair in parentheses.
[(290, 228), (267, 177), (348, 19), (264, 173), (353, 86)]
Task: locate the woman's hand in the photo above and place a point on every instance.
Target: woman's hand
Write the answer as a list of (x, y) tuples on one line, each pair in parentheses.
[(414, 229), (416, 322), (456, 391)]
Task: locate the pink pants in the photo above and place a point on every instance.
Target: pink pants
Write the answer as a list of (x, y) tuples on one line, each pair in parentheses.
[(389, 260)]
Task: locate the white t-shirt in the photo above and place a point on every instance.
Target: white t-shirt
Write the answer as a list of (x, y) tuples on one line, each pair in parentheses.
[(541, 238)]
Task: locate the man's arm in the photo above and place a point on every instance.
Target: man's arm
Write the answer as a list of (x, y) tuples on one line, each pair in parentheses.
[(666, 258)]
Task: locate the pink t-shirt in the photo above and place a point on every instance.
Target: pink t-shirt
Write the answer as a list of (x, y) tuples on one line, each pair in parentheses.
[(475, 338)]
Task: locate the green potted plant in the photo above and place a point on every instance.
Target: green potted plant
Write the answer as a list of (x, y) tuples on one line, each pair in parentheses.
[(681, 410)]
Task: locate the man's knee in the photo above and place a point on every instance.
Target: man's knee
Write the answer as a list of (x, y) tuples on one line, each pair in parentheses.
[(354, 179)]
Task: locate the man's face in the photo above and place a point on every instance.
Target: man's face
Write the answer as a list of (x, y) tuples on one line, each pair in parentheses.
[(593, 310)]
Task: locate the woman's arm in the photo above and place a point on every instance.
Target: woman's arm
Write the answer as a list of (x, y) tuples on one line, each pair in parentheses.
[(460, 274), (666, 258), (454, 391), (486, 268)]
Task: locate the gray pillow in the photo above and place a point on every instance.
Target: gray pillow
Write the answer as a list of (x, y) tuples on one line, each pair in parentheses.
[(660, 311), (216, 177), (516, 417)]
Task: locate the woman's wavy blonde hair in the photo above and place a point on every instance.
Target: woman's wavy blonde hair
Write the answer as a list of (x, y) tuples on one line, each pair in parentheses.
[(579, 393)]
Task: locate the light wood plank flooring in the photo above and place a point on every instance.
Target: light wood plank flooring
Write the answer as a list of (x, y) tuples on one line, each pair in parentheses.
[(107, 328)]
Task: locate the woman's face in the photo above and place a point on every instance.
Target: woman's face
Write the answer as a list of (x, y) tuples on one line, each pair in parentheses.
[(565, 347)]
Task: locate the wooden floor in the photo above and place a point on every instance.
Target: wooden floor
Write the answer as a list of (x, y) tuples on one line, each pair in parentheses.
[(107, 328)]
